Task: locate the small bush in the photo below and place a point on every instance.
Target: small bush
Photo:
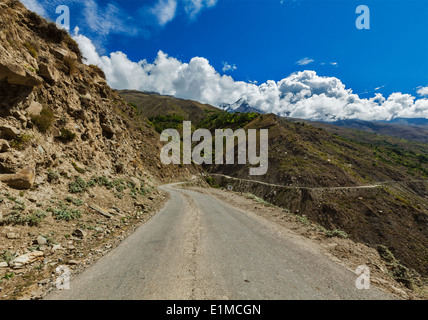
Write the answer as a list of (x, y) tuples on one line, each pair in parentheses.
[(337, 233), (35, 218), (97, 70), (66, 135), (78, 186), (64, 212), (22, 141), (43, 121), (77, 202), (77, 168), (31, 49), (71, 65), (53, 176)]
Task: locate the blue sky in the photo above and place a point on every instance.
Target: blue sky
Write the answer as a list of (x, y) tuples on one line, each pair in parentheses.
[(261, 40)]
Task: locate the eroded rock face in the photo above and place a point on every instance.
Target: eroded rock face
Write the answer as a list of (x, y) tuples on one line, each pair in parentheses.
[(18, 75), (23, 179)]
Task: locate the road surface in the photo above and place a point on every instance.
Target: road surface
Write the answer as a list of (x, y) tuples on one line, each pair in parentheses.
[(198, 247)]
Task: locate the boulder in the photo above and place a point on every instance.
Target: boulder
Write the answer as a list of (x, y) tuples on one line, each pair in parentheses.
[(23, 179), (4, 145), (18, 75), (9, 132), (34, 109), (41, 240), (48, 72), (79, 233), (25, 259)]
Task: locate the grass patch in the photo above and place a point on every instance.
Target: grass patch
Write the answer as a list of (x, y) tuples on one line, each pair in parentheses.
[(64, 212), (66, 135), (43, 121), (33, 51), (22, 141)]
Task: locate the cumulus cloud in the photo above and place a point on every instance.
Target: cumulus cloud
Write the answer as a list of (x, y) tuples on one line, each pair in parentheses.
[(302, 94), (423, 91), (228, 67), (304, 61)]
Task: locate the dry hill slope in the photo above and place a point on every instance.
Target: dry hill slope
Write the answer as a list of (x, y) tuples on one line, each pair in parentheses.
[(77, 166)]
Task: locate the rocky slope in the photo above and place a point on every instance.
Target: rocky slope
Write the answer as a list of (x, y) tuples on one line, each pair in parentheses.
[(77, 165)]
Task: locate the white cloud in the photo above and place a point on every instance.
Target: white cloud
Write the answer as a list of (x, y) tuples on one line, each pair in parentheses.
[(164, 10), (35, 6), (423, 91), (304, 61), (228, 67), (193, 7), (302, 94)]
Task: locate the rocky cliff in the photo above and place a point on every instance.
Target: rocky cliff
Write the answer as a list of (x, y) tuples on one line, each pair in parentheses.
[(78, 166)]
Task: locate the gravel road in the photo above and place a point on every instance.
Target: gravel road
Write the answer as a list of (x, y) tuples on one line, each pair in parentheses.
[(197, 247)]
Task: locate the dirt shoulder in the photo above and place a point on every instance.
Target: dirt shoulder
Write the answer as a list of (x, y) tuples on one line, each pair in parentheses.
[(75, 244), (342, 250)]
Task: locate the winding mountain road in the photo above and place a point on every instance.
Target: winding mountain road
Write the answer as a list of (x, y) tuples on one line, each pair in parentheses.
[(198, 247)]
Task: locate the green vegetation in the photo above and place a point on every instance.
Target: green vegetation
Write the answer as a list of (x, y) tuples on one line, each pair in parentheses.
[(22, 141), (31, 49), (77, 168), (171, 121), (43, 121), (225, 120), (76, 201), (17, 218), (53, 176), (77, 186), (399, 272), (64, 212), (337, 233), (66, 135), (7, 256)]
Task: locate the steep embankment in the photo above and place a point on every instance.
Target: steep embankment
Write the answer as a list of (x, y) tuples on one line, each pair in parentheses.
[(78, 166)]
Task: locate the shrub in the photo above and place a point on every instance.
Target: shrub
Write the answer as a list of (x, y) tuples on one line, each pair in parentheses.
[(53, 176), (77, 202), (97, 70), (71, 65), (64, 212), (31, 49), (37, 217), (337, 233), (66, 135), (22, 141), (43, 121), (77, 168), (78, 186)]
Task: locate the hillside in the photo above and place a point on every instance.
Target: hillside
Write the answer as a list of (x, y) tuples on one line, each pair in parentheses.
[(375, 192), (152, 105), (78, 167)]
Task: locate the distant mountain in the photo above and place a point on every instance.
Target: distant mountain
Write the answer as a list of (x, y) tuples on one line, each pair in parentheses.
[(241, 106), (409, 129), (405, 121), (152, 104)]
